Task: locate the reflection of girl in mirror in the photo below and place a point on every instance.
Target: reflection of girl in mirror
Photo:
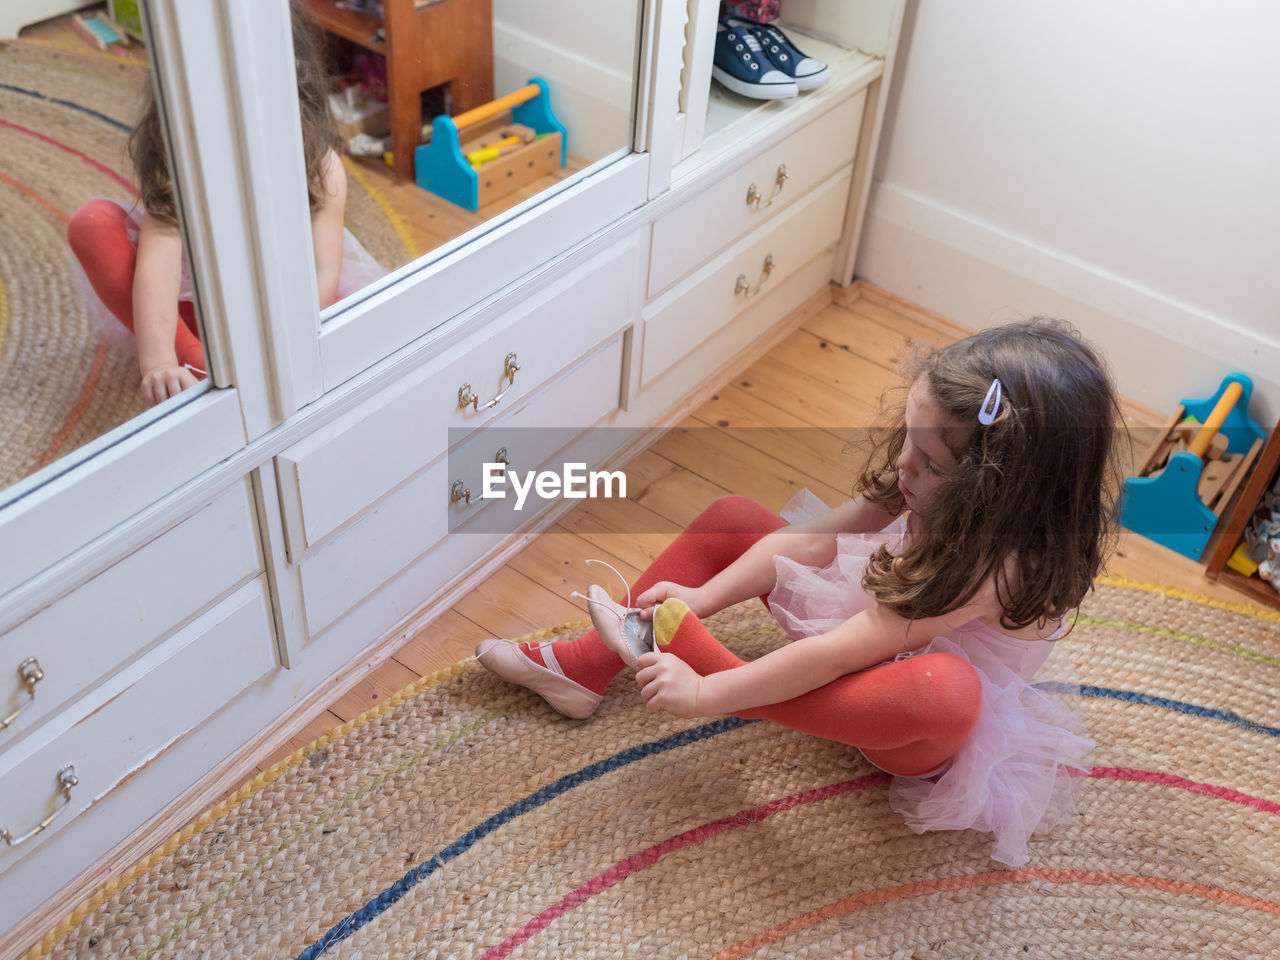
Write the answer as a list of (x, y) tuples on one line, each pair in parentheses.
[(133, 257)]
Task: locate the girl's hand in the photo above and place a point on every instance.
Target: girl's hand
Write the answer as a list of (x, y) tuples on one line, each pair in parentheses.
[(161, 383), (668, 683), (695, 597)]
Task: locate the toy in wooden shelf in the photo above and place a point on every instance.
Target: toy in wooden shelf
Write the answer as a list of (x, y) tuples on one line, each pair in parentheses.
[(98, 31), (1246, 556), (1259, 551), (1193, 468), (127, 17), (510, 142)]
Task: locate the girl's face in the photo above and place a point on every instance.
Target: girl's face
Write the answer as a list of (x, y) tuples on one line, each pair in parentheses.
[(925, 459)]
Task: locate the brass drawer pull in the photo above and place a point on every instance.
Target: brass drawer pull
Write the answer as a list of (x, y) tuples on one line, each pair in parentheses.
[(468, 397), (30, 674), (743, 285), (755, 197), (66, 780), (461, 492)]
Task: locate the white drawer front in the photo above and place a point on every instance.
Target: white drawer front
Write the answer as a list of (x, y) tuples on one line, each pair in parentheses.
[(342, 572), (708, 300), (102, 624), (136, 715), (532, 438), (718, 216), (349, 464)]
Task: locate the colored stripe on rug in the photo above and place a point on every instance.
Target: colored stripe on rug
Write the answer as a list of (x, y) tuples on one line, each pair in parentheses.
[(1170, 780), (1147, 700), (389, 897), (120, 125), (1192, 638), (75, 153), (83, 52), (398, 222), (907, 891), (649, 856), (1179, 593), (4, 312), (28, 192)]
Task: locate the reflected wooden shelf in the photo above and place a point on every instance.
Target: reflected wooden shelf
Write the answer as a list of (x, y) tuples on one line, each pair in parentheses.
[(1264, 475), (360, 28), (427, 45)]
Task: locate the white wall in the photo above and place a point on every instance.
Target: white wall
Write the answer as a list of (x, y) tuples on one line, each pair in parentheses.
[(586, 51), (1110, 161)]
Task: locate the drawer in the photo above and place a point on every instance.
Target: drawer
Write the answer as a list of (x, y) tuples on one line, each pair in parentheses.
[(92, 631), (533, 438), (355, 563), (137, 714), (705, 302), (721, 214), (337, 472)]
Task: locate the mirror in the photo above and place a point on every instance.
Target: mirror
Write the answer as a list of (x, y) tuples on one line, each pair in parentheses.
[(73, 89), (449, 114)]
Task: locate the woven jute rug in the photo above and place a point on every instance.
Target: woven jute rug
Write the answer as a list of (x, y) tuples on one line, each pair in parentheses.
[(463, 818), (65, 119)]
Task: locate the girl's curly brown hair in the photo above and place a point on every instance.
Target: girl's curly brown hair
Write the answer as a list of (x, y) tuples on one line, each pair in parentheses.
[(1030, 505), (319, 135)]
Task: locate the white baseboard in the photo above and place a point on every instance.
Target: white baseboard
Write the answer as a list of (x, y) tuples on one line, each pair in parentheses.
[(977, 274)]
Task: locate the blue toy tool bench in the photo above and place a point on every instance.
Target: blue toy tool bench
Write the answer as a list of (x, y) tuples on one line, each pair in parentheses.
[(1179, 493), (509, 142)]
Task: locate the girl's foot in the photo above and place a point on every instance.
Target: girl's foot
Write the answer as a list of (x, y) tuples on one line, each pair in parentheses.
[(502, 657), (620, 629)]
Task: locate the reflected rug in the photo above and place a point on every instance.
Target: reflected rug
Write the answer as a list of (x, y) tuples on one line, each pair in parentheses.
[(463, 818), (65, 119)]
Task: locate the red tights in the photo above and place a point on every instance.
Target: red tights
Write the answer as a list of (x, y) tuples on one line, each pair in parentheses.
[(907, 716), (100, 240)]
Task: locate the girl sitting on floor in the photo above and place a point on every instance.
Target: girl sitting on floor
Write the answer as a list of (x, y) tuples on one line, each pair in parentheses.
[(920, 611)]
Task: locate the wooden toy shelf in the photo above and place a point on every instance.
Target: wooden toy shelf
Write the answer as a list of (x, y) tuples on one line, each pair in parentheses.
[(1264, 475), (426, 45)]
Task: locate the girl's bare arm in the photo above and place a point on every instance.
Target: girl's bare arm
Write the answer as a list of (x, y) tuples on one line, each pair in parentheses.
[(326, 230), (811, 542), (865, 640), (157, 278)]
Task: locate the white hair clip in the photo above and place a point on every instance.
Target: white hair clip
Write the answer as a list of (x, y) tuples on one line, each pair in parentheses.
[(990, 404)]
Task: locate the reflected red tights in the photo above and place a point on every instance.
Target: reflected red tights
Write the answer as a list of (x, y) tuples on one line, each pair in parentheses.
[(99, 238)]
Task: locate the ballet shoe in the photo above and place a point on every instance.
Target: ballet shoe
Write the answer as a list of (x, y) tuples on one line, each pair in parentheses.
[(620, 629), (503, 658)]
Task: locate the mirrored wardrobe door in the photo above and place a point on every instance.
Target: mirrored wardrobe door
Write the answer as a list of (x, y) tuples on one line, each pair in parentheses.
[(98, 320), (106, 402), (428, 125)]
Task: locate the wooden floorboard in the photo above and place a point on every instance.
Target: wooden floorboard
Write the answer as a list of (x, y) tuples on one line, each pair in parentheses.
[(784, 423)]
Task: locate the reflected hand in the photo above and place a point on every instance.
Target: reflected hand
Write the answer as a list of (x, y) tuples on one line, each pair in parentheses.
[(668, 683), (161, 383)]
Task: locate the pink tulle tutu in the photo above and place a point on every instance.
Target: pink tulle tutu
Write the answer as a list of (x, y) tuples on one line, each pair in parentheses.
[(1019, 772)]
